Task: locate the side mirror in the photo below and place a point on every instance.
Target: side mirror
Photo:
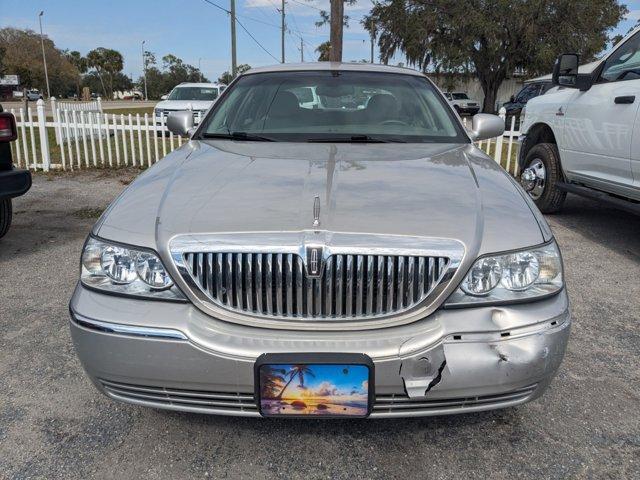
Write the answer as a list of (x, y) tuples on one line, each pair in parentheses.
[(512, 99), (485, 126), (180, 123), (164, 97), (565, 73)]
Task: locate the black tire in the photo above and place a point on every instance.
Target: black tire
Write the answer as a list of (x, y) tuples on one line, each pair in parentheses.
[(552, 198), (6, 212)]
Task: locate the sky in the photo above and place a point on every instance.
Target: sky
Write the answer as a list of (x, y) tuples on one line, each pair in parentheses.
[(196, 31)]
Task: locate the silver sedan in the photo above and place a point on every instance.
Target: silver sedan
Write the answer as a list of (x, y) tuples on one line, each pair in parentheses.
[(329, 242)]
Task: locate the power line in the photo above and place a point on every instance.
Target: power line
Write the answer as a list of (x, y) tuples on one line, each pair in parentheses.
[(243, 27), (255, 40), (306, 5), (218, 6)]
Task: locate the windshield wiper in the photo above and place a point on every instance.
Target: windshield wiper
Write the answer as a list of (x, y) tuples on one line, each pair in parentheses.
[(354, 139), (238, 136)]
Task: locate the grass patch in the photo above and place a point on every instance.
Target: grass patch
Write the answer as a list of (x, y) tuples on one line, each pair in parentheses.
[(129, 110), (88, 213)]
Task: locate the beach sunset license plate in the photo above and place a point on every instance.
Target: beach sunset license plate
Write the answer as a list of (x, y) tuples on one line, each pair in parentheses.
[(314, 389)]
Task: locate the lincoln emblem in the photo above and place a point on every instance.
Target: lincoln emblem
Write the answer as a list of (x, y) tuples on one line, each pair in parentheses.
[(314, 261)]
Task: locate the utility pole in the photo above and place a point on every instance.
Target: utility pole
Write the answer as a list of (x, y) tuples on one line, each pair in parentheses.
[(144, 71), (234, 64), (301, 50), (337, 19), (283, 31), (44, 57), (373, 39)]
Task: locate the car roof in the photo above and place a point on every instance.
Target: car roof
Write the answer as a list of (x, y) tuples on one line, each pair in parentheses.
[(203, 84), (333, 66)]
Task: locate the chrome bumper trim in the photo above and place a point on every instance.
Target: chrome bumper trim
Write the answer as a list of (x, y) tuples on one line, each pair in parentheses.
[(130, 330)]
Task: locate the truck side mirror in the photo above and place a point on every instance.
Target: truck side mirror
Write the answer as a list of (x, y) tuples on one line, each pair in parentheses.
[(565, 73), (512, 99)]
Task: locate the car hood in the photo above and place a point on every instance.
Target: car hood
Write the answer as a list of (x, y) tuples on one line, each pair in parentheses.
[(428, 190), (184, 104)]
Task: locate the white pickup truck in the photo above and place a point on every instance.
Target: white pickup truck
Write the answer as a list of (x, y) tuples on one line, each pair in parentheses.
[(583, 136)]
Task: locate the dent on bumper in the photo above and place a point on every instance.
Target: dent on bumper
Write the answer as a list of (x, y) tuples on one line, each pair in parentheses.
[(439, 370)]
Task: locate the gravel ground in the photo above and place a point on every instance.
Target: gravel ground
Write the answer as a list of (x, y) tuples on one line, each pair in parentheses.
[(54, 424)]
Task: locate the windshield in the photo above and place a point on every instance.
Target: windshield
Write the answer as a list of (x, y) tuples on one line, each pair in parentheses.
[(333, 106), (460, 96), (193, 93)]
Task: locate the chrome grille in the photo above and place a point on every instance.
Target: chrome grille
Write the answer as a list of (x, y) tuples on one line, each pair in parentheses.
[(351, 286)]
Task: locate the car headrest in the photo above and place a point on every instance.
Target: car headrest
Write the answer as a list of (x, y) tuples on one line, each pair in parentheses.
[(285, 104)]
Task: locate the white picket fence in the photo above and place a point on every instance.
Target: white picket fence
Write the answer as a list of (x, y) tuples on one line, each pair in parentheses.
[(80, 135)]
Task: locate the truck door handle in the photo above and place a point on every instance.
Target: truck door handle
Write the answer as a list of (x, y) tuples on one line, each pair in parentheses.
[(625, 99)]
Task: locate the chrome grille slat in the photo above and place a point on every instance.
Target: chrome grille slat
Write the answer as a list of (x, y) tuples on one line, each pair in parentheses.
[(349, 299), (359, 286), (328, 284), (289, 281), (298, 286), (369, 302), (351, 286), (279, 309), (380, 285), (268, 282), (390, 283), (339, 284), (218, 277), (258, 278), (239, 288), (248, 276)]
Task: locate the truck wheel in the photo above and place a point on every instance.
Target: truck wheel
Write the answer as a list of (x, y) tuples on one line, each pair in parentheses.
[(541, 175), (5, 216)]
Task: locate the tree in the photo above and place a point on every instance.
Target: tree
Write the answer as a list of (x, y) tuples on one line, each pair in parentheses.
[(120, 82), (2, 54), (324, 51), (23, 56), (174, 71), (77, 60), (492, 38), (226, 78), (107, 62), (296, 371)]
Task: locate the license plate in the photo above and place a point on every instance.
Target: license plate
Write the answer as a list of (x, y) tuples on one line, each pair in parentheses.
[(320, 385)]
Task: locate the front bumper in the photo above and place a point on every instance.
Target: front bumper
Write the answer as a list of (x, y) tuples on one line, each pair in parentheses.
[(14, 183), (171, 355)]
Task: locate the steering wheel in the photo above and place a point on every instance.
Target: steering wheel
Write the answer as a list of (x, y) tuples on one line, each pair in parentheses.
[(394, 122)]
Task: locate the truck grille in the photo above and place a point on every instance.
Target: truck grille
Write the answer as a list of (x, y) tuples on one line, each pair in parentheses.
[(351, 286)]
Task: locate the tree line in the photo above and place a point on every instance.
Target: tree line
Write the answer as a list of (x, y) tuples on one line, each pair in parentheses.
[(101, 69)]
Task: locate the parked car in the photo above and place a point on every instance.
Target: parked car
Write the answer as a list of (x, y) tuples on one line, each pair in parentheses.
[(336, 262), (33, 95), (531, 89), (197, 97), (13, 182), (462, 103), (584, 137)]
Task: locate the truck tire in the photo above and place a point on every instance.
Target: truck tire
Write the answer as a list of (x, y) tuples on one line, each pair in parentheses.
[(5, 216), (540, 177)]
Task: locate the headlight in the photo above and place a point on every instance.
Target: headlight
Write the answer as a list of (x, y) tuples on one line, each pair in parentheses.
[(127, 271), (511, 277)]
